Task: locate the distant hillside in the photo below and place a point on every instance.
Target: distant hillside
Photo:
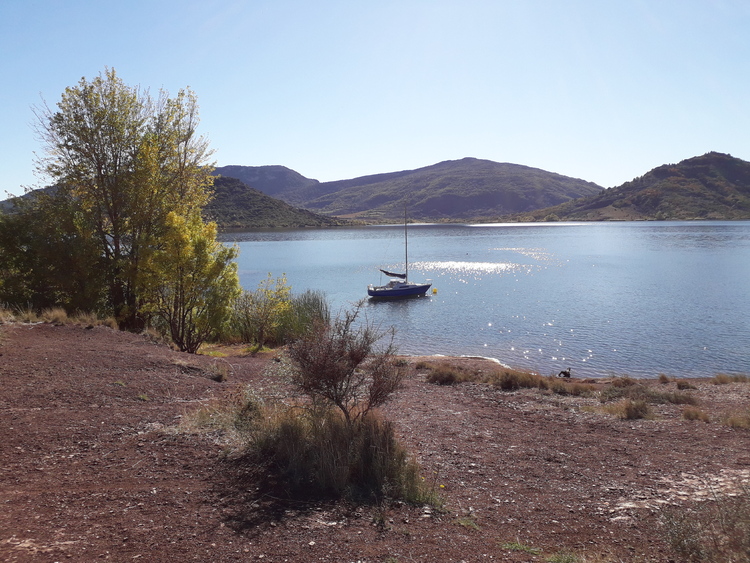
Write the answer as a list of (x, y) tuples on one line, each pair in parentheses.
[(712, 186), (453, 190), (237, 206), (275, 181)]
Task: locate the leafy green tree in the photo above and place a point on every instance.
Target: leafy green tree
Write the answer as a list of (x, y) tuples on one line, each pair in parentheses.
[(258, 314), (193, 281), (46, 259), (125, 160)]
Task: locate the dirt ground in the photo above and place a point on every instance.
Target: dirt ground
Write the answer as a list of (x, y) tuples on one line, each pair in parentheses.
[(93, 466)]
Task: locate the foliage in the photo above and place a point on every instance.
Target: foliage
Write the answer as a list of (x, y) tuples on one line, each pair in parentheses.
[(192, 280), (716, 531), (47, 258), (338, 363), (122, 161), (256, 315), (319, 452)]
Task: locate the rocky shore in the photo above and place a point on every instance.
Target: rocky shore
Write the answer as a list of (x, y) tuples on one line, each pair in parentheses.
[(95, 465)]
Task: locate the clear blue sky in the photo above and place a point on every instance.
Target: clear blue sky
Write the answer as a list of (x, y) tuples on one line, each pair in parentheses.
[(594, 89)]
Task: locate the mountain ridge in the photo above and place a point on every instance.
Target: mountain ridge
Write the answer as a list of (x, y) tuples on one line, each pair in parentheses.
[(710, 186)]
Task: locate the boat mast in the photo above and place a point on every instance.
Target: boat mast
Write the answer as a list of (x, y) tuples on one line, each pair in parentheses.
[(406, 249)]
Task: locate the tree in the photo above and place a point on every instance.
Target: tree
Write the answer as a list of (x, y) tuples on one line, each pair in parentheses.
[(193, 280), (339, 363), (46, 260), (125, 161)]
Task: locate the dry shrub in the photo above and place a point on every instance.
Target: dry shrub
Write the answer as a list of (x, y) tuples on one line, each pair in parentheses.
[(738, 420), (317, 452), (693, 413), (724, 379), (620, 382), (663, 379), (638, 392), (449, 375), (683, 385), (628, 409), (715, 531), (231, 419), (511, 380), (54, 315)]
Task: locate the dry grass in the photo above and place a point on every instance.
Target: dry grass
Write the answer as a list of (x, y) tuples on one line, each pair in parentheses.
[(737, 420), (694, 413), (724, 379), (628, 409), (53, 315), (716, 531)]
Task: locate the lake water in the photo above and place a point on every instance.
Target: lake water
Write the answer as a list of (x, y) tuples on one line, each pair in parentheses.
[(603, 299)]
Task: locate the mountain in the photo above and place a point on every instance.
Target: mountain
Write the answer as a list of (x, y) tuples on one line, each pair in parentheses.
[(238, 206), (712, 186), (271, 180), (452, 190)]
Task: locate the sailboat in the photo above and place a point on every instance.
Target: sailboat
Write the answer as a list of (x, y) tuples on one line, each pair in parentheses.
[(399, 284)]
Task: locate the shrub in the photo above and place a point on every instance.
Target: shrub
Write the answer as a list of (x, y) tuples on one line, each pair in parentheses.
[(724, 379), (738, 420), (511, 380), (693, 413), (339, 364), (639, 392), (318, 452), (715, 531), (663, 379), (448, 375), (628, 409), (685, 385)]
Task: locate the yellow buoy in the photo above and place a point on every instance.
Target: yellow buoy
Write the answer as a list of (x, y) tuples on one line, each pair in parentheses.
[(434, 290)]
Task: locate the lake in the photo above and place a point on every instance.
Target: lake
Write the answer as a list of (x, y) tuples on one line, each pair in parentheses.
[(603, 299)]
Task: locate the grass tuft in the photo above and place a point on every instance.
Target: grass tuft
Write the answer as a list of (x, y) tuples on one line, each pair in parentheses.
[(694, 413)]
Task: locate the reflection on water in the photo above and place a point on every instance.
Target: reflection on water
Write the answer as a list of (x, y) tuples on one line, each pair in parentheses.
[(600, 298)]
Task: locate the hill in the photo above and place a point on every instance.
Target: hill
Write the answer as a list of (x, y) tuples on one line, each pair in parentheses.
[(238, 206), (711, 186), (275, 181), (469, 188)]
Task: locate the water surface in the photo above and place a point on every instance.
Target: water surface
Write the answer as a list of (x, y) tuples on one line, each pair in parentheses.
[(601, 298)]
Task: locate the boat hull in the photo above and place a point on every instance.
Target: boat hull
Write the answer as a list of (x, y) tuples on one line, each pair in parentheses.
[(398, 291)]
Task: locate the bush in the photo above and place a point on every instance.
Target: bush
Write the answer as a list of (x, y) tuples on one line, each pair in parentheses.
[(448, 375), (724, 379), (628, 409), (738, 420), (317, 452), (339, 364), (692, 413), (272, 316), (619, 389), (715, 531)]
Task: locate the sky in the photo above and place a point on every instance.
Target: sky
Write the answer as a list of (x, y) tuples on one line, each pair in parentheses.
[(599, 90)]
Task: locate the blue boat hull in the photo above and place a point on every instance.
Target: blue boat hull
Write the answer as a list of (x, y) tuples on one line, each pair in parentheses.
[(402, 290)]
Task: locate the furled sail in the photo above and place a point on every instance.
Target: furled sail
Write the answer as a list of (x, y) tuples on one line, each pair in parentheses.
[(392, 275)]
